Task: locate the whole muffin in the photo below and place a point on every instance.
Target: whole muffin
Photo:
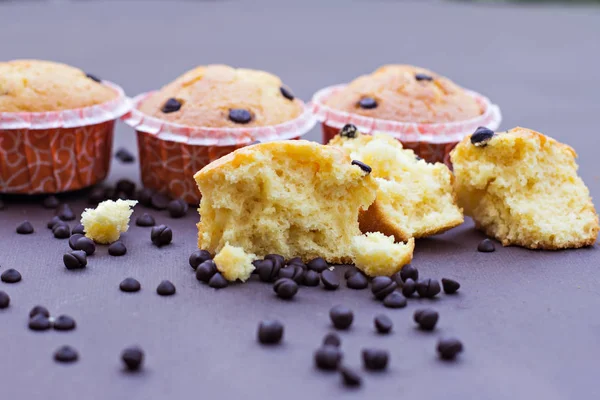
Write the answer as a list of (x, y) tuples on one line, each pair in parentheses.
[(38, 86), (407, 94), (221, 96)]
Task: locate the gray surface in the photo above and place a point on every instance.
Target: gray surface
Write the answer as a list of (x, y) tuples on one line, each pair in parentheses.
[(529, 320)]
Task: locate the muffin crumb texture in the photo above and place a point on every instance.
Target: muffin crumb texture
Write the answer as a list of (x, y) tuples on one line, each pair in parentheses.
[(234, 263), (108, 220), (522, 188), (376, 254)]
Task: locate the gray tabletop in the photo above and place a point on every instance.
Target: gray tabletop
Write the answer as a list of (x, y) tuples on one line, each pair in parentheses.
[(529, 320)]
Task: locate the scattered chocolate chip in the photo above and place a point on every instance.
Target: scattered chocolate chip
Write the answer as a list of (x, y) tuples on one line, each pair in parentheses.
[(350, 377), (66, 354), (332, 339), (145, 220), (285, 288), (177, 208), (124, 155), (54, 221), (240, 116), (296, 261), (357, 281), (277, 259), (73, 240), (270, 332), (375, 359), (330, 280), (198, 257), (426, 318), (159, 201), (428, 288), (286, 92), (85, 244), (65, 213), (409, 287), (61, 231), (75, 260), (117, 249), (133, 358), (11, 275), (51, 202), (79, 229), (328, 357), (362, 166), (448, 348), (482, 136), (126, 186), (39, 310), (96, 195), (423, 77), (217, 281), (381, 286), (130, 285), (268, 270), (341, 317), (294, 272), (367, 103), (64, 323), (450, 285), (171, 105), (317, 264), (206, 270), (409, 272), (39, 322), (25, 228), (161, 235), (94, 78), (4, 300), (486, 246), (383, 323), (145, 197), (311, 278), (394, 300), (2, 205), (166, 288), (351, 270), (349, 131)]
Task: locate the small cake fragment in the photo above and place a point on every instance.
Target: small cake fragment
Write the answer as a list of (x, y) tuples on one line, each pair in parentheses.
[(234, 263), (376, 254), (105, 223)]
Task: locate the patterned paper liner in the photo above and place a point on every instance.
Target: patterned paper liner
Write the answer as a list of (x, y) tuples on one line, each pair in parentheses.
[(433, 142), (59, 151), (170, 154)]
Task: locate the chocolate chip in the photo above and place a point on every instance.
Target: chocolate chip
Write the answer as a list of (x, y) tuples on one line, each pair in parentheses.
[(39, 310), (294, 272), (145, 220), (332, 339), (55, 220), (418, 158), (124, 155), (375, 359), (240, 116), (423, 77), (166, 288), (65, 213), (428, 288), (73, 240), (285, 288), (297, 261), (126, 186), (409, 272), (117, 249), (61, 231), (486, 246), (481, 136), (426, 318), (145, 197), (161, 235), (66, 354), (4, 300), (279, 260), (450, 285), (330, 280), (217, 281), (11, 275), (79, 229), (159, 201), (130, 285), (357, 281), (341, 317), (75, 260), (25, 228), (328, 358), (177, 208), (362, 166), (268, 269), (85, 244), (381, 286), (198, 257), (64, 323), (39, 322), (171, 105), (383, 323), (448, 348), (350, 377), (96, 195), (394, 300), (367, 103), (349, 131), (51, 202), (206, 270), (133, 358), (409, 288), (286, 92), (270, 332), (94, 78), (311, 278), (2, 205), (317, 264)]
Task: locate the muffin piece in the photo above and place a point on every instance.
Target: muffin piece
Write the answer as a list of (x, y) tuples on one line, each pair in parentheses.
[(294, 198), (414, 198), (234, 263), (37, 86), (522, 188), (221, 96), (407, 94), (108, 220), (376, 254)]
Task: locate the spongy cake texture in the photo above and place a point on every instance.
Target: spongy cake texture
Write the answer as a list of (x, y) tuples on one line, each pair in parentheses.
[(108, 220), (414, 198), (234, 263), (522, 188)]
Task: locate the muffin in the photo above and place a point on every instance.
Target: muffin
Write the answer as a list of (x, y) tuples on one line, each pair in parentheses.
[(57, 126), (206, 113), (424, 110), (522, 188), (294, 198)]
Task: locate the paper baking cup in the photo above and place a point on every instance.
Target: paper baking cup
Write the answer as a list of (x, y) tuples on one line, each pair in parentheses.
[(433, 142), (58, 151), (170, 154)]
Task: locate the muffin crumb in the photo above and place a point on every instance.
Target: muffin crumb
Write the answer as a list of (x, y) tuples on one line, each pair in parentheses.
[(108, 220), (234, 263)]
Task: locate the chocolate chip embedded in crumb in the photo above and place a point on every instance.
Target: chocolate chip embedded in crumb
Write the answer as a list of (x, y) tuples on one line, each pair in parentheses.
[(177, 208), (171, 105), (367, 103), (166, 288), (4, 300), (375, 359), (240, 116), (482, 136), (64, 323), (383, 324), (198, 257), (66, 354), (94, 78), (349, 131), (130, 285), (25, 228), (426, 318), (11, 275), (51, 202), (75, 260), (362, 166), (423, 77), (286, 92), (328, 358), (133, 358), (486, 246), (448, 348), (270, 332), (117, 249), (218, 281), (450, 285), (161, 235), (341, 317)]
